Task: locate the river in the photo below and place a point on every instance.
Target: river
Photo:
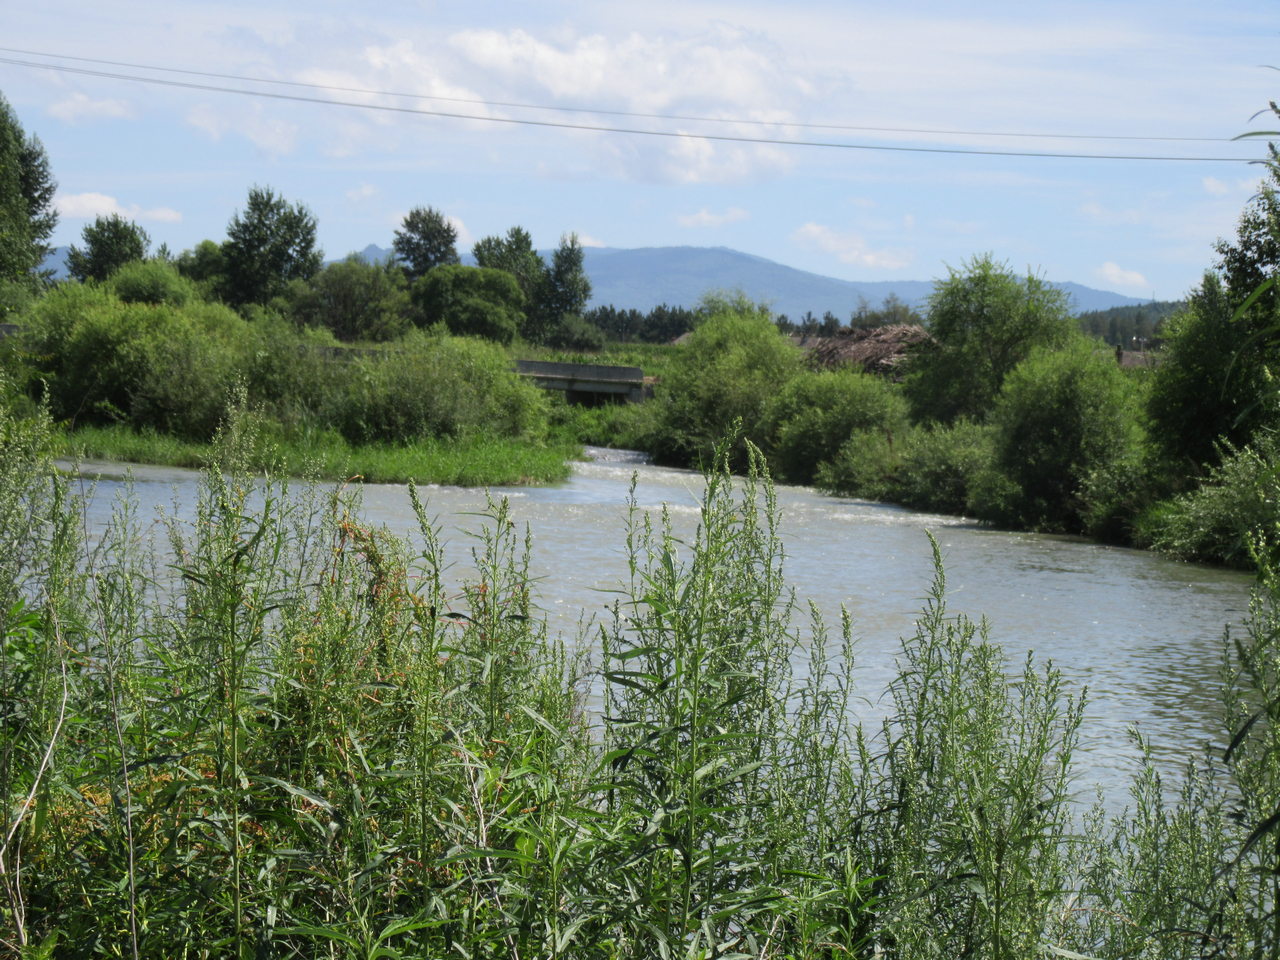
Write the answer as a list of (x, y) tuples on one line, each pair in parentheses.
[(1144, 634)]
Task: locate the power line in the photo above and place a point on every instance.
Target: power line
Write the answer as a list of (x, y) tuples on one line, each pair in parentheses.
[(617, 113), (670, 134)]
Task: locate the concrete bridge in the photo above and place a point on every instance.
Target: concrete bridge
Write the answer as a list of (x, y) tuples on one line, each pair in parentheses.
[(586, 383)]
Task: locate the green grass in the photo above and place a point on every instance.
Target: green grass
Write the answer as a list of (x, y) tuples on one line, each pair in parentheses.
[(468, 462), (654, 358)]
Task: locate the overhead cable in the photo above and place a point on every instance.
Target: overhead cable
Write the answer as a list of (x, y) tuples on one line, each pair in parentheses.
[(596, 128), (621, 113)]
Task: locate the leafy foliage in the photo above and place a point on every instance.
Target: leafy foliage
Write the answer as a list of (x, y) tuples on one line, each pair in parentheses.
[(471, 302), (1060, 417), (984, 321), (271, 243), (109, 243), (425, 239), (27, 214), (729, 371), (353, 299)]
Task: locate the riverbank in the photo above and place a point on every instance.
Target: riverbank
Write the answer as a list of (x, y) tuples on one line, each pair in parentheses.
[(478, 461)]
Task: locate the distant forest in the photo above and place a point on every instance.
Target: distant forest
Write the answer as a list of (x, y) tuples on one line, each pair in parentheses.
[(1128, 325)]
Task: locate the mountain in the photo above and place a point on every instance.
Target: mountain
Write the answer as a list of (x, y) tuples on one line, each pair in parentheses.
[(645, 277), (678, 276)]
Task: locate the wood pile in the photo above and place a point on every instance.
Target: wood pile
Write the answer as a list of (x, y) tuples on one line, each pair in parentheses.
[(874, 349)]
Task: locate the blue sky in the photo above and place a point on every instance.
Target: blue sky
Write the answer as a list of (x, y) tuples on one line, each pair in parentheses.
[(180, 161)]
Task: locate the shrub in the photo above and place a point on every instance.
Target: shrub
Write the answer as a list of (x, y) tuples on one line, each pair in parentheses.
[(354, 299), (729, 370), (149, 365), (470, 301), (984, 320), (152, 281), (816, 412), (574, 332), (1060, 416), (439, 386), (1209, 386), (926, 468), (1233, 513)]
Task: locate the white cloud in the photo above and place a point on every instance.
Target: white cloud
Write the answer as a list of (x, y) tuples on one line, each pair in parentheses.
[(465, 240), (589, 241), (361, 193), (1114, 274), (271, 134), (79, 107), (1215, 186), (705, 218), (849, 247), (84, 206), (909, 221), (1098, 212)]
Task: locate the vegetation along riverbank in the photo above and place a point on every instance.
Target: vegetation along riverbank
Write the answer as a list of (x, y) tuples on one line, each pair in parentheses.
[(995, 402)]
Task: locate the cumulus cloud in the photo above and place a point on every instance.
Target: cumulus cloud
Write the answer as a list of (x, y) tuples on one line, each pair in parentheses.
[(84, 206), (78, 107), (589, 241), (361, 193), (719, 73), (1117, 276), (849, 247), (1215, 186), (705, 218)]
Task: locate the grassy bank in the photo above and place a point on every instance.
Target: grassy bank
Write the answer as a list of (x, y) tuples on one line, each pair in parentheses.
[(325, 455)]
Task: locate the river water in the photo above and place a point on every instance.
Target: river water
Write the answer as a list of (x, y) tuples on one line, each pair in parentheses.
[(1144, 634)]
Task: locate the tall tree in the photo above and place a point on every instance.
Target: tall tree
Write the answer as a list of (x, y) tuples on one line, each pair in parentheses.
[(513, 253), (427, 239), (984, 320), (268, 245), (27, 214), (109, 243)]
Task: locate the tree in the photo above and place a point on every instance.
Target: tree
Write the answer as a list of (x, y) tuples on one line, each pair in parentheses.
[(1061, 416), (272, 243), (354, 298), (471, 301), (513, 253), (984, 321), (1215, 380), (427, 240), (563, 293), (27, 214), (109, 243)]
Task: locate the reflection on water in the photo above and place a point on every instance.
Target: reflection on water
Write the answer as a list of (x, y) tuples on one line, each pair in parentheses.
[(1142, 633)]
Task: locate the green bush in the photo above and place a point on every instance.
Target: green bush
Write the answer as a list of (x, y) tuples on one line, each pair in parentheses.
[(729, 370), (816, 412), (925, 468), (984, 320), (1235, 512), (149, 365), (152, 281), (354, 299), (1211, 384), (1061, 416), (573, 332), (470, 301), (438, 386)]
